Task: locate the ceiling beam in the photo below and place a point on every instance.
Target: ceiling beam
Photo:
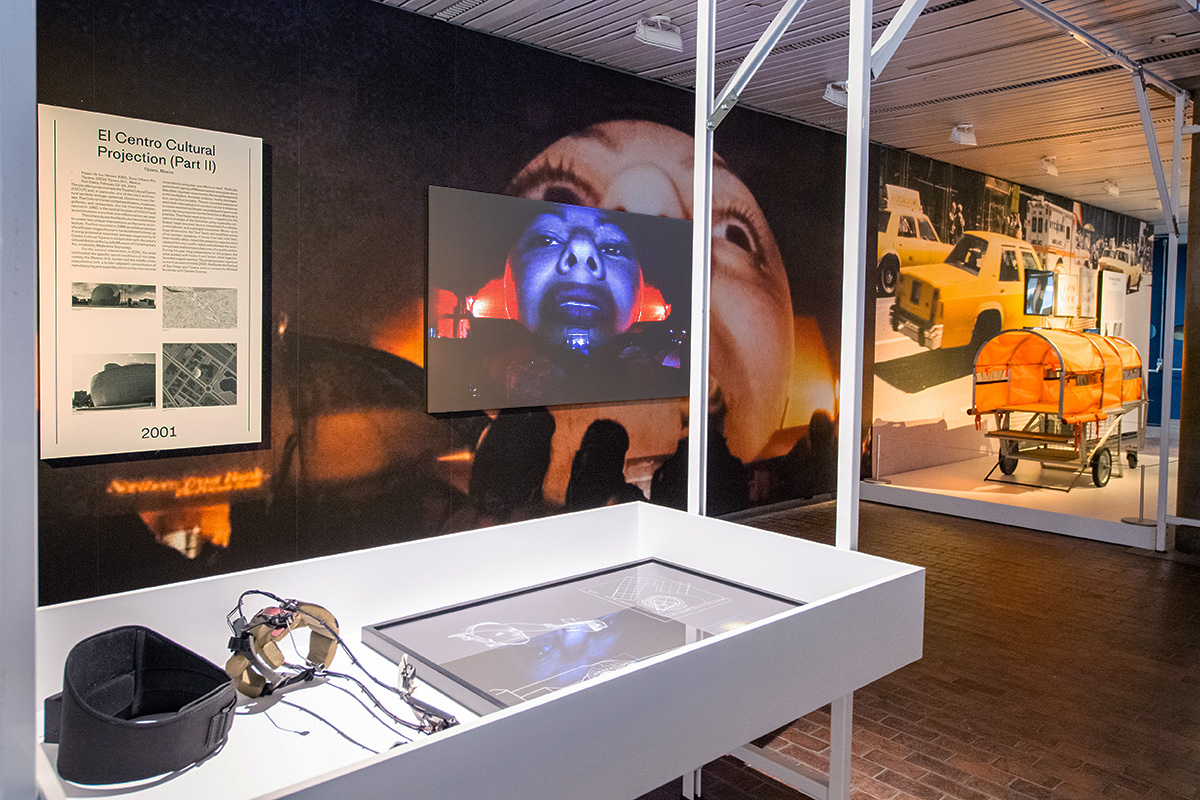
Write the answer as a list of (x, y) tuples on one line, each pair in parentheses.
[(1083, 37), (728, 97)]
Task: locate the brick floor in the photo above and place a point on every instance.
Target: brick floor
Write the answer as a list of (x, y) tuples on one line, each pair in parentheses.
[(1054, 668)]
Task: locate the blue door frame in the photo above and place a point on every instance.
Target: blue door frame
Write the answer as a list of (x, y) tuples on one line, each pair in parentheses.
[(1153, 359)]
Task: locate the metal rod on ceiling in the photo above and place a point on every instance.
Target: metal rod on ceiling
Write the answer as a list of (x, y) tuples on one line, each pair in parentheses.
[(1165, 198), (893, 35), (1083, 37), (728, 96)]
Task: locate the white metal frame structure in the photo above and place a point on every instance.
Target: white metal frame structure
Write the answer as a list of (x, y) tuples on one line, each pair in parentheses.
[(1169, 198), (864, 66)]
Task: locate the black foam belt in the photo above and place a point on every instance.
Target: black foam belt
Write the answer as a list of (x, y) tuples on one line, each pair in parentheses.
[(135, 705)]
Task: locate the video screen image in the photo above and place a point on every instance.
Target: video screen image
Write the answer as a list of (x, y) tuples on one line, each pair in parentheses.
[(535, 303), (502, 651), (1039, 293)]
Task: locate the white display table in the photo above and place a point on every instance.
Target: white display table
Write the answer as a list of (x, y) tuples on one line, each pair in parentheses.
[(617, 736)]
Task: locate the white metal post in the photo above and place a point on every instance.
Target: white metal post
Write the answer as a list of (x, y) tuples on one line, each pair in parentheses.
[(1167, 336), (706, 24), (18, 415), (854, 259), (841, 723)]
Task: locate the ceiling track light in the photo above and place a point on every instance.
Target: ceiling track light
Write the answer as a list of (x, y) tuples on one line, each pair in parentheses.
[(964, 135), (658, 31), (1111, 188), (1049, 165), (836, 93)]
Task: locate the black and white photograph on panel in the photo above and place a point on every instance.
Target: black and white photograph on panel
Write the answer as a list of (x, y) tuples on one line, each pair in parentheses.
[(199, 307), (112, 295), (198, 374), (112, 380)]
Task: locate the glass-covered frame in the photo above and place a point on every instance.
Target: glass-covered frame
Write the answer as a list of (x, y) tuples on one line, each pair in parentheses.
[(498, 651)]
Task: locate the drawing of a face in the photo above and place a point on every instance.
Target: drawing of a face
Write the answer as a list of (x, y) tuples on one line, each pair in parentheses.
[(644, 167), (577, 277)]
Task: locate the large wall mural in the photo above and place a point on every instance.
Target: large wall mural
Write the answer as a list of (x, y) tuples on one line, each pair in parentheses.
[(362, 108), (960, 257)]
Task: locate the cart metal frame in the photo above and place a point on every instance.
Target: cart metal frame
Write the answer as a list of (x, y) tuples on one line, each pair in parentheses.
[(1047, 439)]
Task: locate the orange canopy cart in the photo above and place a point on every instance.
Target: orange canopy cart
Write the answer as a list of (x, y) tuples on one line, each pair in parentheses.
[(1059, 397)]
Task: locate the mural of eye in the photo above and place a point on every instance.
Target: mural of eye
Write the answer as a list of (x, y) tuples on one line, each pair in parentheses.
[(735, 233), (562, 194), (557, 183)]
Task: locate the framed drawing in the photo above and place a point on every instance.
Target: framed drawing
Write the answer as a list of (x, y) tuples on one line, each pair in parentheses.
[(499, 651)]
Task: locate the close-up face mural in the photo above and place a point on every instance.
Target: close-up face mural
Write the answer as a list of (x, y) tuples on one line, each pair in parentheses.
[(645, 167), (360, 455)]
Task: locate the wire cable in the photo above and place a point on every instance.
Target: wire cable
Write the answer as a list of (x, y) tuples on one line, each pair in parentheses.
[(431, 719), (336, 729), (374, 714), (414, 726)]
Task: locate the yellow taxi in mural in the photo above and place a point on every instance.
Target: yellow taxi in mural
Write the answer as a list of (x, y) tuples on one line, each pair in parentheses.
[(1124, 261), (906, 237), (970, 297)]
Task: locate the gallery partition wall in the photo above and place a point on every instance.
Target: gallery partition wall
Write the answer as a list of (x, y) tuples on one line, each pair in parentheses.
[(351, 458)]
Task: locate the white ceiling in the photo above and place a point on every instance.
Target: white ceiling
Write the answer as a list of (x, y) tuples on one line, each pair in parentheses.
[(1029, 89)]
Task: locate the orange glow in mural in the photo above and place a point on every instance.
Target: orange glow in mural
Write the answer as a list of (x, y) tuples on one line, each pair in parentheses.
[(189, 528), (192, 485), (401, 335), (813, 386)]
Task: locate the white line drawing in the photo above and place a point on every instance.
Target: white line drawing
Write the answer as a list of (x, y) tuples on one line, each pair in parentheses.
[(507, 634), (583, 672), (606, 666), (664, 604), (659, 597)]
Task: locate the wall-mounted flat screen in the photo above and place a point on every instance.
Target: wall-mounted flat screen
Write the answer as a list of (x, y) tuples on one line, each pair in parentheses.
[(1039, 293), (534, 303)]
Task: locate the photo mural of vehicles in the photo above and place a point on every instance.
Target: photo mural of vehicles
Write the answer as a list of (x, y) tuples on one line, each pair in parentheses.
[(970, 297), (1012, 257), (1126, 262), (906, 237), (1052, 231)]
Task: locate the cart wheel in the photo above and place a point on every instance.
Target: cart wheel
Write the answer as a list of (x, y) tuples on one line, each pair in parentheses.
[(1008, 457), (1131, 457), (1101, 466)]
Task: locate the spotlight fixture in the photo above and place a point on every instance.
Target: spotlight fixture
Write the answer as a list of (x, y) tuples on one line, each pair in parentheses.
[(1049, 166), (836, 93), (658, 31), (1111, 188), (964, 135)]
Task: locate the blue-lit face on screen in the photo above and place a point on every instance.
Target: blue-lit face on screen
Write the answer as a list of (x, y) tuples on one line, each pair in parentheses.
[(578, 279)]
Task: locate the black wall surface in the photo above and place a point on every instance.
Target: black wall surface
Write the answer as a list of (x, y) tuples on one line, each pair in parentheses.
[(362, 107)]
